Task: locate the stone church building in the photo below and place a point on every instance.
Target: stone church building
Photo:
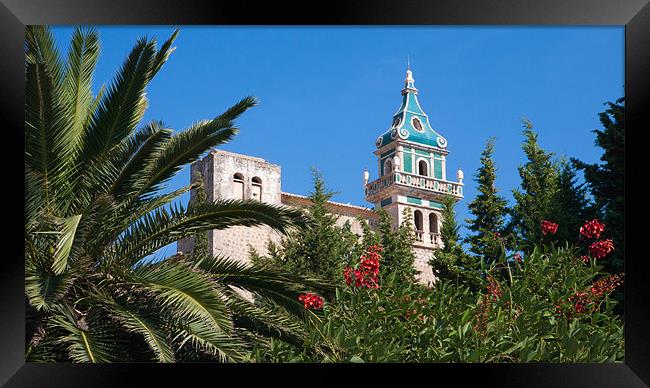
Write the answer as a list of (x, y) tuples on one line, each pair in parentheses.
[(411, 174)]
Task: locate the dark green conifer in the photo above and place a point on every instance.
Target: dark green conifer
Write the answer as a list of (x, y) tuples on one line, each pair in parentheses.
[(488, 209), (539, 185)]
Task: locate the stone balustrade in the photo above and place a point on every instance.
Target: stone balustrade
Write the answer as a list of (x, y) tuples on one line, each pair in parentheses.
[(428, 239), (423, 182)]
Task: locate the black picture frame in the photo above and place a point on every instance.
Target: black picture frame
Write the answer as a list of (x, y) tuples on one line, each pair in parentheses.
[(634, 14)]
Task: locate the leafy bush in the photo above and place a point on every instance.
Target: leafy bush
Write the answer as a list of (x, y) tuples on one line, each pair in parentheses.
[(548, 307)]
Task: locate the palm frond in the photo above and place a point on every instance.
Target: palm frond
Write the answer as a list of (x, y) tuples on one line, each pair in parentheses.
[(267, 321), (279, 288), (101, 175), (88, 338), (80, 68), (64, 243), (259, 280), (34, 200), (44, 288), (40, 47), (184, 293), (163, 227), (228, 347), (44, 120), (124, 184), (189, 145), (163, 54), (122, 107), (133, 320)]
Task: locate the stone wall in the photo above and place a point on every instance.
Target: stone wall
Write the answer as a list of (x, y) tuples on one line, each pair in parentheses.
[(422, 257)]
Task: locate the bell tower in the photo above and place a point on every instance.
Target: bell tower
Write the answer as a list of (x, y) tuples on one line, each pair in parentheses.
[(412, 175)]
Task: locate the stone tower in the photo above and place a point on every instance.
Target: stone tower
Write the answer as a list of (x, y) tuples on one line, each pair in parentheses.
[(411, 167), (228, 175)]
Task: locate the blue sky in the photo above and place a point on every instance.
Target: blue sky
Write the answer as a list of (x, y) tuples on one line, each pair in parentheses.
[(326, 93)]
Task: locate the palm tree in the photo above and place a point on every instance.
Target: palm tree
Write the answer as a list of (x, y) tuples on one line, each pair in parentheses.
[(94, 210)]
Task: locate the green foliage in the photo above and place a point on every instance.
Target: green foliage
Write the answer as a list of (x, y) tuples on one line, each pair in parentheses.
[(325, 248), (606, 180), (517, 322), (488, 209), (450, 261), (94, 212), (320, 250), (539, 183), (571, 205), (397, 242)]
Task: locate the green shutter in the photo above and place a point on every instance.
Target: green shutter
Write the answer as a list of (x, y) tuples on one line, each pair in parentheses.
[(437, 168), (414, 200), (408, 157)]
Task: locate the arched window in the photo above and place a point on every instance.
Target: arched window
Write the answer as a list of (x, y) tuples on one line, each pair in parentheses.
[(419, 231), (257, 188), (433, 223), (423, 168), (238, 186), (388, 167)]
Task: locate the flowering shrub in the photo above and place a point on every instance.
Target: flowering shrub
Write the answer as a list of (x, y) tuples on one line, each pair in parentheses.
[(549, 227), (367, 272), (600, 249), (592, 229), (553, 309), (311, 300), (587, 301), (597, 249)]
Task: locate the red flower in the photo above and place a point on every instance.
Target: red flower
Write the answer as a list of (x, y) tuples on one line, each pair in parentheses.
[(347, 273), (600, 249), (518, 257), (592, 229), (311, 300), (606, 285), (493, 288), (367, 272), (579, 307), (580, 299), (548, 227), (584, 258)]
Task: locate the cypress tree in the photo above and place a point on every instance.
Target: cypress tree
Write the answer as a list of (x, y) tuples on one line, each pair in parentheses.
[(397, 243), (449, 231), (571, 204), (488, 209), (322, 249), (539, 185), (606, 181)]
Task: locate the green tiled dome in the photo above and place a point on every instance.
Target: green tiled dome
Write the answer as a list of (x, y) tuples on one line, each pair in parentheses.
[(410, 122)]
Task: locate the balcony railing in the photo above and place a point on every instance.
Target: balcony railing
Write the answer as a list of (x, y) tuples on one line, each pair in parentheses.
[(413, 180), (431, 238)]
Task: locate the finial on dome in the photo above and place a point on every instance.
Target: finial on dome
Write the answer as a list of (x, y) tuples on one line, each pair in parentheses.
[(409, 82)]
